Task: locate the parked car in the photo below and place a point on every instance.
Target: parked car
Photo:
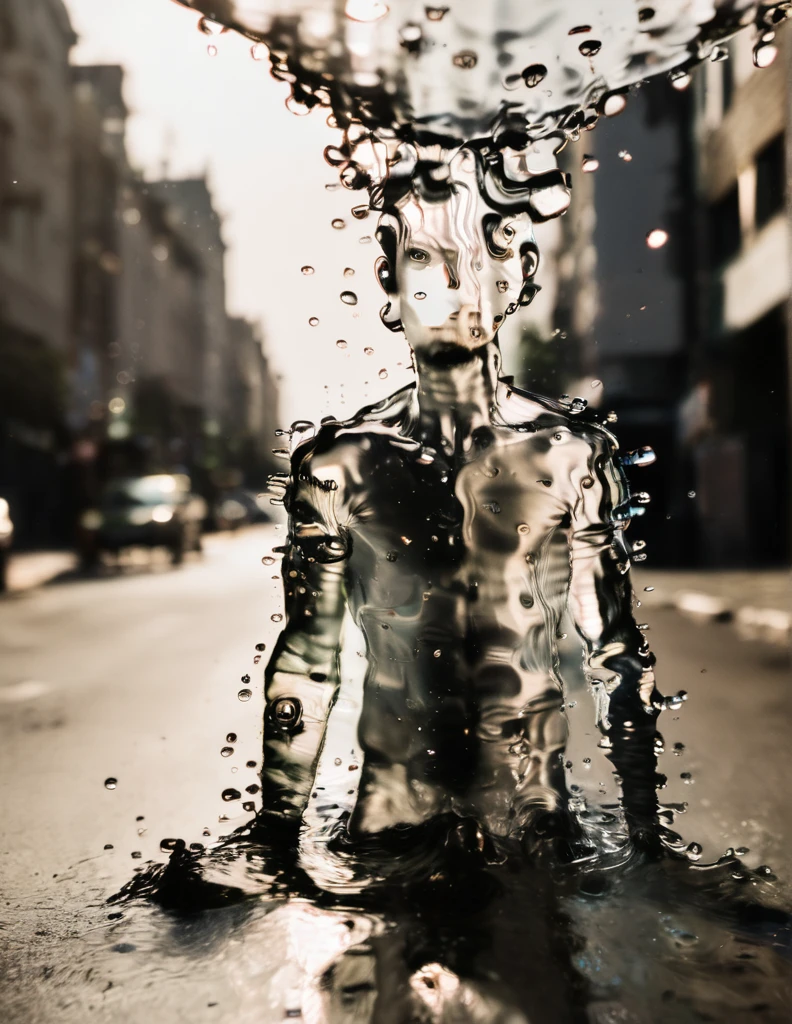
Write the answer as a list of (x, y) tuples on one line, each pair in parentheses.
[(239, 507), (6, 536), (147, 511)]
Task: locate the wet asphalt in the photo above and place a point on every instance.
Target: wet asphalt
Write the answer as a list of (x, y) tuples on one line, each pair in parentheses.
[(134, 676)]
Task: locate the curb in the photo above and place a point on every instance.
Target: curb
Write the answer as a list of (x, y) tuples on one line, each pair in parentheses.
[(768, 625)]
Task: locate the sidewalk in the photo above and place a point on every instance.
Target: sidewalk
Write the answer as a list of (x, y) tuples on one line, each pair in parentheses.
[(758, 604), (28, 569)]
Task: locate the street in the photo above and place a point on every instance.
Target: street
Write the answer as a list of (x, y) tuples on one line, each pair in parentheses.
[(135, 677)]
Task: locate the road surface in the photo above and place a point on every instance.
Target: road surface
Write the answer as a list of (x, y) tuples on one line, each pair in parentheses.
[(135, 676)]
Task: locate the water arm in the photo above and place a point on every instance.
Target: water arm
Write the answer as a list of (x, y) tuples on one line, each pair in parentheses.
[(618, 663), (301, 679)]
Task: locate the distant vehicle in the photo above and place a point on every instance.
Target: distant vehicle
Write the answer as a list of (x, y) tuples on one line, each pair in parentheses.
[(6, 536), (239, 507), (146, 511)]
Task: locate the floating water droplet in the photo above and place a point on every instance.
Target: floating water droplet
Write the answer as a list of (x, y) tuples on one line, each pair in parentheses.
[(691, 494), (465, 59), (419, 296), (437, 653), (231, 794), (368, 351), (764, 54), (656, 238), (313, 321), (267, 560), (382, 374), (614, 104), (211, 28), (360, 212), (211, 51), (231, 737), (136, 855), (436, 13), (590, 163), (341, 343), (365, 239), (262, 647), (110, 783), (590, 48), (625, 155), (687, 778), (245, 695), (277, 617), (349, 298), (349, 272), (226, 751), (307, 270), (680, 80), (338, 223), (534, 74)]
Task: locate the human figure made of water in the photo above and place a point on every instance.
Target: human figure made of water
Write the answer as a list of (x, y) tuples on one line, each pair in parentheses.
[(455, 523)]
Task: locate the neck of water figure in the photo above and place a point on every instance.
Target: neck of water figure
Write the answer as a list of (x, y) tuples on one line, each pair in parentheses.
[(456, 392)]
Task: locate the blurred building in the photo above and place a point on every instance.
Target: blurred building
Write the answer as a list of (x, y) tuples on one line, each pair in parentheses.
[(254, 398), (35, 257), (735, 421)]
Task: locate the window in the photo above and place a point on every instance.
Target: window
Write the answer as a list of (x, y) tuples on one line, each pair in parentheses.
[(723, 219), (770, 178)]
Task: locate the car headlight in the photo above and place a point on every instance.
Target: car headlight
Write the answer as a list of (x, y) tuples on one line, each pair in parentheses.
[(162, 514), (91, 519)]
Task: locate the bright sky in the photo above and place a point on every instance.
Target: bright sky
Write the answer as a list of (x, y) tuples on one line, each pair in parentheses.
[(226, 114)]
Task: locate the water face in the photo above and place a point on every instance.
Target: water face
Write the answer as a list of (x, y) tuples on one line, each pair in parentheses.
[(442, 544)]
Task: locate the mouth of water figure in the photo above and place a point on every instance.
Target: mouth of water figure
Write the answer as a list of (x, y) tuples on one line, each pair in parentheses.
[(446, 547)]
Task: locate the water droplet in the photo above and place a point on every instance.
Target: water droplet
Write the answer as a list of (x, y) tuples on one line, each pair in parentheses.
[(656, 238), (691, 494), (382, 374), (231, 737), (719, 54), (267, 560), (368, 351), (338, 223), (391, 556), (341, 343), (313, 321), (436, 13), (764, 54), (360, 212), (136, 855), (364, 239), (590, 163), (590, 48), (231, 794), (419, 296), (258, 52), (437, 654), (625, 155), (277, 617), (465, 59), (226, 751), (211, 51), (262, 647), (307, 270), (245, 695), (349, 298), (523, 528), (110, 783), (534, 74), (614, 104), (680, 80), (211, 28), (687, 778), (349, 272)]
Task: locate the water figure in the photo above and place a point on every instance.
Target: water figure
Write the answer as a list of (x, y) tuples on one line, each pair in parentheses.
[(454, 523)]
